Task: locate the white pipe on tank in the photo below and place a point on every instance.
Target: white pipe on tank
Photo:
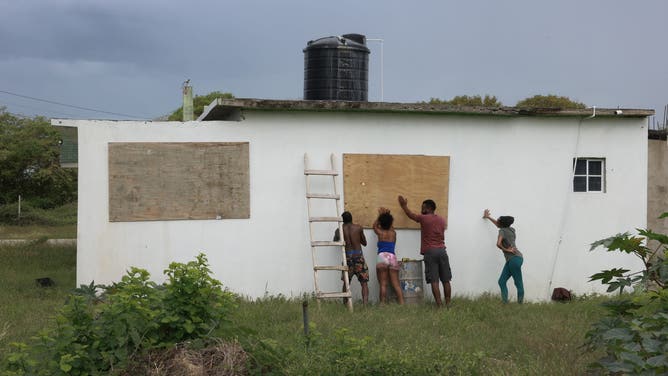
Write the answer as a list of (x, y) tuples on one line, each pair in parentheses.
[(381, 65)]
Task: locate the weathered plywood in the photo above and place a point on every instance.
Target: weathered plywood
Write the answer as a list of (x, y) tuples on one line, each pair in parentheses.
[(374, 180), (158, 181)]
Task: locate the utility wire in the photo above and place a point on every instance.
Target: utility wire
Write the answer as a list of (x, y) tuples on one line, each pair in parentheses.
[(72, 106), (48, 111)]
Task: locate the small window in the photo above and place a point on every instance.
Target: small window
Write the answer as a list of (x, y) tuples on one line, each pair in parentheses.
[(589, 175)]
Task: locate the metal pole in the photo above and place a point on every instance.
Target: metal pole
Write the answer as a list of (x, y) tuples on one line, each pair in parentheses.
[(382, 89), (19, 206)]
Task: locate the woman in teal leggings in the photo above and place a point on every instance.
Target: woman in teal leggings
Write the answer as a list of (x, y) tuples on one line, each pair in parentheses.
[(513, 267)]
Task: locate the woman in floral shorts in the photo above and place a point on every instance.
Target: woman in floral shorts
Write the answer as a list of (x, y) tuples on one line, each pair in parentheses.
[(387, 266)]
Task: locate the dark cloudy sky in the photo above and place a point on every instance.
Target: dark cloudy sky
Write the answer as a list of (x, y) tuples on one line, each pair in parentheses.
[(131, 56)]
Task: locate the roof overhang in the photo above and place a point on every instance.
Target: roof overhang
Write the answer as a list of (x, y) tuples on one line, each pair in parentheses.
[(231, 109)]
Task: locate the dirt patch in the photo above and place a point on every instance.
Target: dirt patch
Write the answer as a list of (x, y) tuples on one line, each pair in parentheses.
[(220, 358)]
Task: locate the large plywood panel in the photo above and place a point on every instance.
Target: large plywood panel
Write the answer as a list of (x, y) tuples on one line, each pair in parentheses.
[(168, 181), (374, 180)]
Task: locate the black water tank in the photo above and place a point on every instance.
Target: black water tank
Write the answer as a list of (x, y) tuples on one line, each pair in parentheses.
[(337, 68)]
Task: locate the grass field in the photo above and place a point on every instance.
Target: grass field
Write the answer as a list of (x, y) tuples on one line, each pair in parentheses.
[(36, 232), (25, 308), (476, 336)]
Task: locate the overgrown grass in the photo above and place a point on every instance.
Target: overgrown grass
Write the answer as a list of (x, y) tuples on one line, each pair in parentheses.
[(34, 215), (34, 232), (26, 308), (476, 336)]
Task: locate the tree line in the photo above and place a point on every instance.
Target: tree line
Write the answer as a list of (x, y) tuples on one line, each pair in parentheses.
[(30, 163), (537, 101)]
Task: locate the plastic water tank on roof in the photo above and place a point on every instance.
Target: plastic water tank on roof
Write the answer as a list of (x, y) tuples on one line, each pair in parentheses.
[(337, 68)]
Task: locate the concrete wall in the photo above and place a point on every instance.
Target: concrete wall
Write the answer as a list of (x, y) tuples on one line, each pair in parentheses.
[(516, 166), (657, 185)]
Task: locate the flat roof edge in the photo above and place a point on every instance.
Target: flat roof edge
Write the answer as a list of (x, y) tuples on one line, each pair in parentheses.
[(222, 107)]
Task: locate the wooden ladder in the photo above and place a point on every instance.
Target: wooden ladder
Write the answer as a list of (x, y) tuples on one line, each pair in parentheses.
[(316, 244)]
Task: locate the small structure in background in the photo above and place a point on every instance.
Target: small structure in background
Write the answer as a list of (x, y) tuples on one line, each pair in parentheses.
[(69, 147), (188, 108)]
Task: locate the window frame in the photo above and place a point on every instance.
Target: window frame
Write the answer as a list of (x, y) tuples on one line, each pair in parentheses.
[(587, 175)]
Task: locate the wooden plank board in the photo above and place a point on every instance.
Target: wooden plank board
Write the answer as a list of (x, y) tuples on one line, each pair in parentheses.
[(155, 181), (374, 180)]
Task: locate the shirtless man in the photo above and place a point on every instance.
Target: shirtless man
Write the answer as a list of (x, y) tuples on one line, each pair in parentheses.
[(353, 237), (432, 248)]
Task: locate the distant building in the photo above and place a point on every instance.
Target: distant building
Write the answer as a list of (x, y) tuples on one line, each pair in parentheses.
[(232, 185), (68, 147), (657, 186)]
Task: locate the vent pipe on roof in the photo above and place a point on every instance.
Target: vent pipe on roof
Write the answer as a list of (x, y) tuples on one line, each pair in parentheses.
[(188, 109)]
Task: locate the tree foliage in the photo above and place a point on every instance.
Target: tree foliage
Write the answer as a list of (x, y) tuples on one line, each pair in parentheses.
[(634, 334), (465, 100), (199, 102), (30, 162), (550, 101)]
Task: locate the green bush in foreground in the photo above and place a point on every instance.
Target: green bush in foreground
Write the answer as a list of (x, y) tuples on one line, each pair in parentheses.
[(634, 334), (100, 335)]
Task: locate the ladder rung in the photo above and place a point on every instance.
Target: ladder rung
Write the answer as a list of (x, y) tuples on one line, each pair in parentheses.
[(321, 172), (323, 195), (332, 267), (325, 219), (334, 295), (321, 243)]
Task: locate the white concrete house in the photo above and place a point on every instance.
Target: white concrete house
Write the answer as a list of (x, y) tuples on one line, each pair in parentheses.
[(514, 161)]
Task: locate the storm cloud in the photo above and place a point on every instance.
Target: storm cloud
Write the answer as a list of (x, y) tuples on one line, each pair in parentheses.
[(132, 56)]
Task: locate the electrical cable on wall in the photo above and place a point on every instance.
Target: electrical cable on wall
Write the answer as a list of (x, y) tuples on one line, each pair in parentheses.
[(562, 224)]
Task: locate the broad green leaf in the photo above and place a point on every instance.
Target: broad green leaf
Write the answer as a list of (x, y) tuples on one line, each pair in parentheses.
[(649, 234), (651, 345), (658, 361), (617, 366), (618, 333), (621, 242), (65, 360), (189, 326), (607, 275)]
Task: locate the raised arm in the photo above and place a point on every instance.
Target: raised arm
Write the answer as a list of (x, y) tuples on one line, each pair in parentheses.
[(486, 214), (404, 205), (376, 227)]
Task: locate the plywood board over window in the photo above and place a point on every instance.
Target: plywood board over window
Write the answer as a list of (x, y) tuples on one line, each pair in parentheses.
[(156, 181), (374, 180)]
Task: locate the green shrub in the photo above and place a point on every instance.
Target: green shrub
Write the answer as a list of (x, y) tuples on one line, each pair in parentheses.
[(193, 302), (102, 335), (634, 334)]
